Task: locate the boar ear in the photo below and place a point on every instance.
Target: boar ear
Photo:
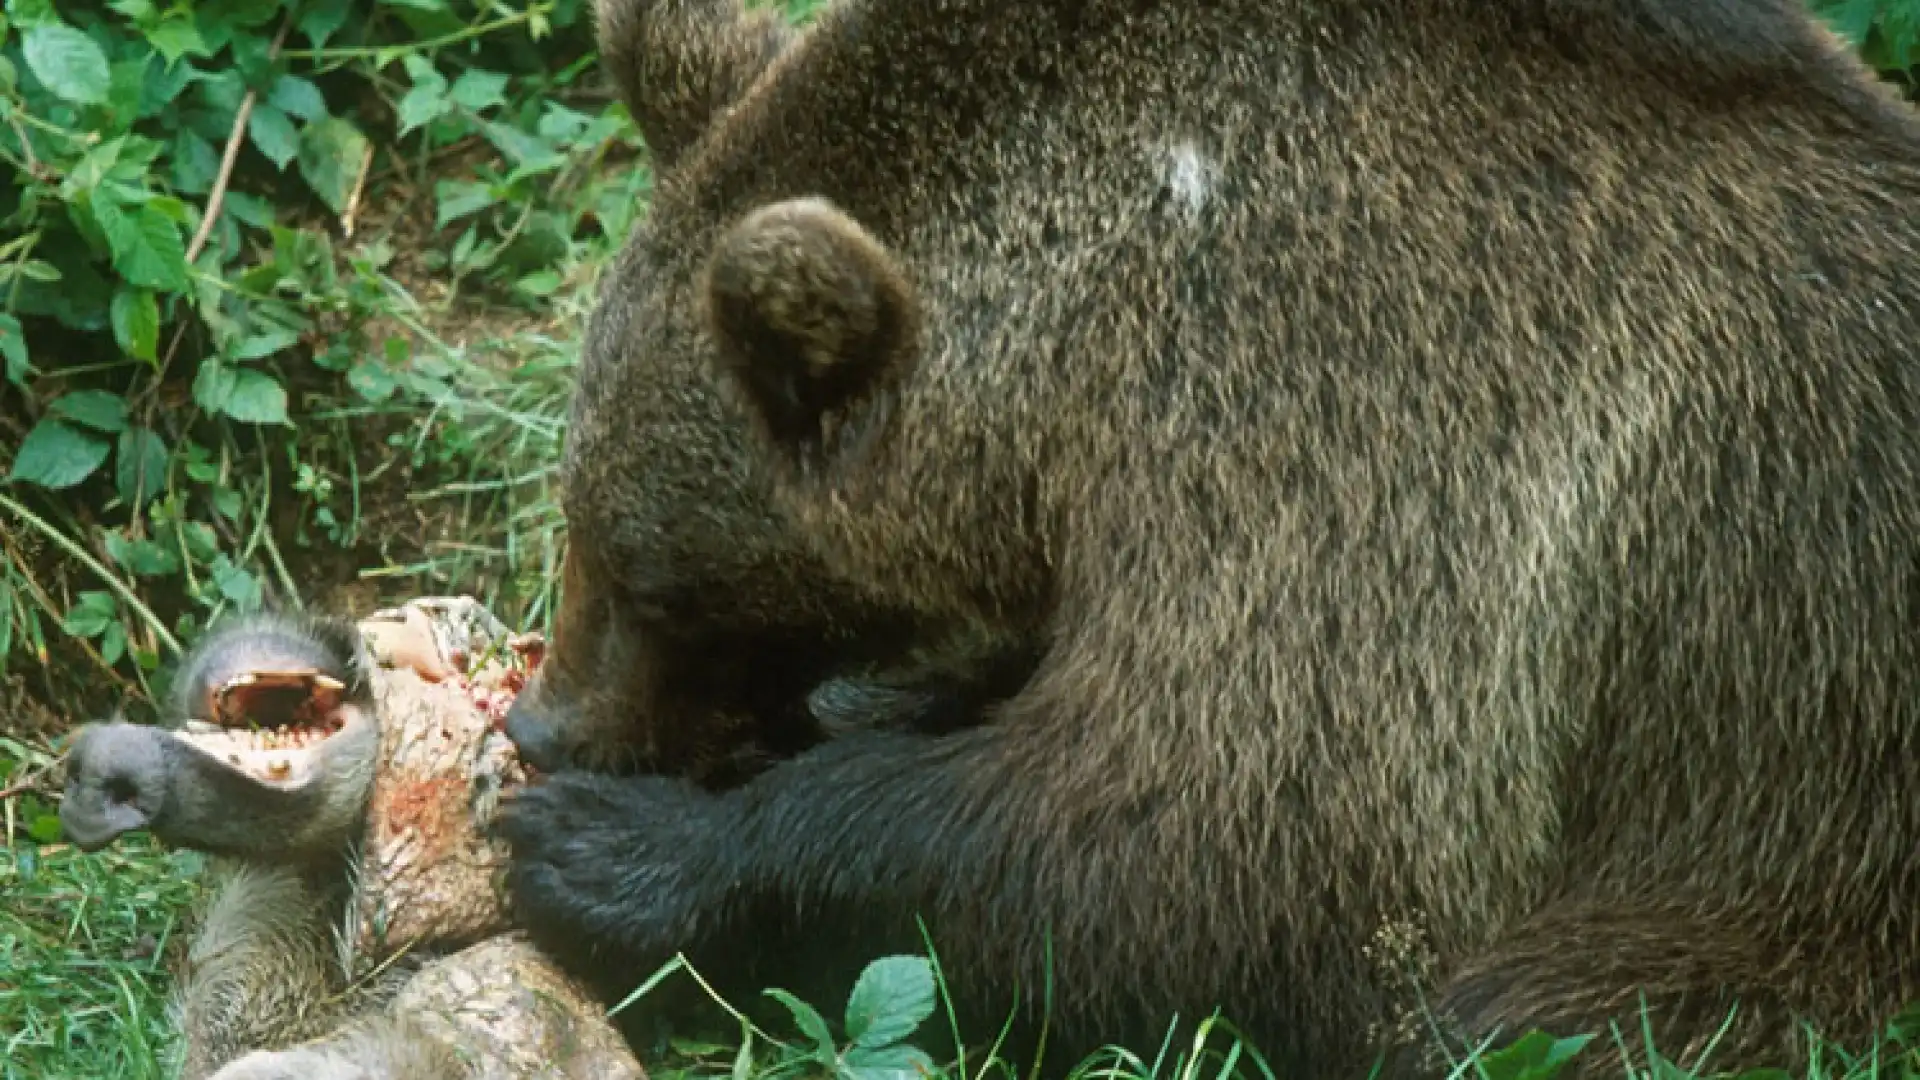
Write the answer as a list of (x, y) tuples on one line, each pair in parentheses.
[(812, 317), (678, 63)]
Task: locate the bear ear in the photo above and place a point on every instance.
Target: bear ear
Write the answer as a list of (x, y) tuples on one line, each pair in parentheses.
[(813, 319), (678, 63)]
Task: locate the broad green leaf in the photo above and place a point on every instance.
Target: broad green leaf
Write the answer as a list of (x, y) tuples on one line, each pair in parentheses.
[(213, 385), (811, 1023), (256, 398), (296, 96), (144, 558), (1535, 1056), (260, 346), (195, 162), (891, 998), (244, 14), (331, 151), (113, 643), (126, 89), (273, 134), (540, 283), (140, 466), (92, 168), (559, 124), (45, 829), (1852, 19), (524, 150), (458, 198), (236, 584), (254, 211), (147, 249), (68, 62), (176, 36), (321, 19), (96, 409), (227, 503), (13, 349), (479, 90), (422, 105), (136, 323), (26, 13), (371, 380), (57, 455), (887, 1063)]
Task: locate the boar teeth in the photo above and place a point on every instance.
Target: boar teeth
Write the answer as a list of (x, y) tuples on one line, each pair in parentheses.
[(328, 682), (203, 727)]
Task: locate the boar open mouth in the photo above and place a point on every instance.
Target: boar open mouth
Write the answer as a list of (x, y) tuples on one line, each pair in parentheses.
[(269, 725)]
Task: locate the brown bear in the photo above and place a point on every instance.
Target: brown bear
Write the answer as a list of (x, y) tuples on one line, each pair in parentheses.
[(1457, 461)]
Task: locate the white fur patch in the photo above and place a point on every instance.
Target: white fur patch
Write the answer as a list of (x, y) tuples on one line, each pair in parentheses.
[(1189, 174)]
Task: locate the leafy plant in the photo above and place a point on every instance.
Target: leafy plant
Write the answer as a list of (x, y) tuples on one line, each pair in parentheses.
[(1887, 32), (176, 310), (893, 996)]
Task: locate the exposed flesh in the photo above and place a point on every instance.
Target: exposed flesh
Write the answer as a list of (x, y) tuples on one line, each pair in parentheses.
[(267, 724)]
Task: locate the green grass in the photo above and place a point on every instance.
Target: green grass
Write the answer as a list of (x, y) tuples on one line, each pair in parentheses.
[(84, 947)]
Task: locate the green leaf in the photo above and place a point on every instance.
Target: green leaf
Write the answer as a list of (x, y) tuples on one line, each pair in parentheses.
[(254, 211), (136, 323), (371, 380), (140, 465), (479, 90), (540, 283), (113, 643), (45, 829), (887, 1063), (236, 584), (90, 615), (422, 105), (25, 13), (227, 503), (213, 385), (260, 346), (1852, 19), (459, 198), (144, 558), (331, 151), (273, 134), (243, 14), (68, 62), (256, 398), (176, 36), (891, 998), (56, 455), (296, 96), (526, 151), (1535, 1056), (195, 161), (13, 349), (126, 91), (811, 1023), (321, 19), (1904, 1028), (96, 409), (147, 249)]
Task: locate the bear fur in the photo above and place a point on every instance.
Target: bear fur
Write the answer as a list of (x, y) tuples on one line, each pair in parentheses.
[(1456, 462)]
